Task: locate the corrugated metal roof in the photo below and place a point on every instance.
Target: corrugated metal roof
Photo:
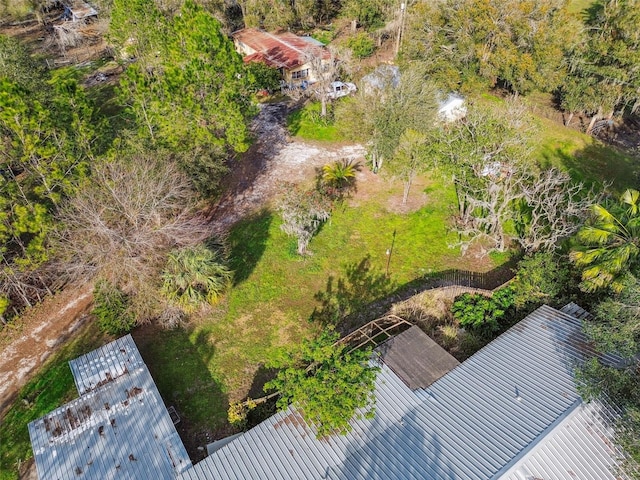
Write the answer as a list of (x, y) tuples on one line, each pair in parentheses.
[(580, 447), (105, 364), (282, 50), (119, 428), (476, 422)]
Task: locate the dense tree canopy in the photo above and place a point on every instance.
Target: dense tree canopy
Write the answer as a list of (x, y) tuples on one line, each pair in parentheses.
[(327, 383), (192, 100), (603, 74), (46, 144), (468, 43)]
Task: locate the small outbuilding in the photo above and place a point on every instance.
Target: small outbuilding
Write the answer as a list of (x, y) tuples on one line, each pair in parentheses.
[(452, 109), (78, 11)]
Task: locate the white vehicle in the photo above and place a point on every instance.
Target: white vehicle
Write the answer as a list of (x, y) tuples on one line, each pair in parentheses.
[(341, 89)]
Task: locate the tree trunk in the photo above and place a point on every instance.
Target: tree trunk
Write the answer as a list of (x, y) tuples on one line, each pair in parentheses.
[(407, 187), (593, 120), (323, 103), (569, 119)]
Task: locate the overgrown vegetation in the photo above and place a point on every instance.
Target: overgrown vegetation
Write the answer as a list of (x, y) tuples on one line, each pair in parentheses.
[(112, 309), (482, 313), (326, 382)]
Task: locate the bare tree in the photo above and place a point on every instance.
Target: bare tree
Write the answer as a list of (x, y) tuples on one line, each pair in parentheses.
[(544, 209), (121, 225), (486, 205), (556, 209), (303, 211)]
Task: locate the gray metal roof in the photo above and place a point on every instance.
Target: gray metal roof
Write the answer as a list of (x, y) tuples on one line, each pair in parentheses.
[(119, 428), (579, 447), (480, 421), (105, 364), (416, 358)]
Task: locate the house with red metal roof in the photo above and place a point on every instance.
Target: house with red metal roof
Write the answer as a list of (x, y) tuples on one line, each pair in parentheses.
[(286, 51)]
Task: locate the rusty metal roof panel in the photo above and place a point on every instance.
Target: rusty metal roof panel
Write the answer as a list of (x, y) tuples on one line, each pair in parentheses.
[(479, 421), (117, 430), (281, 50)]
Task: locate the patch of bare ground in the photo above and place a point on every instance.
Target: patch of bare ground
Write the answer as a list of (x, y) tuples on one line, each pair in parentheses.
[(370, 186), (39, 332), (273, 158), (83, 41)]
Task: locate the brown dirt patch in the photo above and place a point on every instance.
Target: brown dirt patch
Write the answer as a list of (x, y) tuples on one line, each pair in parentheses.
[(41, 39), (41, 330)]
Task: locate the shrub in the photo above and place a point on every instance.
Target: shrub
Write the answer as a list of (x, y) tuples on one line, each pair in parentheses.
[(263, 77), (339, 178), (480, 313), (540, 277), (111, 308), (362, 45), (194, 276)]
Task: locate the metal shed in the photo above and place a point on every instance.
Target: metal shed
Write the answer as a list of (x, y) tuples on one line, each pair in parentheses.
[(118, 428)]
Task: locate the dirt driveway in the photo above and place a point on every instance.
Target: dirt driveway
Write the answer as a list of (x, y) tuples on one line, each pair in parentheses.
[(272, 158)]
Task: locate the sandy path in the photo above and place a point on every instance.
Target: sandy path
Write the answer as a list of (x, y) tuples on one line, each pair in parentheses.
[(273, 158), (41, 330)]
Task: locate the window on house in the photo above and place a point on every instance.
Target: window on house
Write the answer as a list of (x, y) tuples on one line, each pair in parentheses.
[(300, 74)]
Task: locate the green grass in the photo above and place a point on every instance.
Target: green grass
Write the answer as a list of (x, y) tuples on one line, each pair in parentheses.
[(51, 387), (306, 123), (275, 289), (585, 158), (578, 6), (179, 362)]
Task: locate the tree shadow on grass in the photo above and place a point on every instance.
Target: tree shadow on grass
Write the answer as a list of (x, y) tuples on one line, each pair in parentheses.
[(179, 364), (364, 294), (596, 164), (344, 298), (247, 242), (266, 409)]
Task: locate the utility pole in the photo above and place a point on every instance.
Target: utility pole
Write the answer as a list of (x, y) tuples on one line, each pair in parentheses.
[(403, 7)]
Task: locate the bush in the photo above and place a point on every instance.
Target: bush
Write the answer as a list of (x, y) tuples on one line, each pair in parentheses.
[(194, 276), (111, 308), (480, 313), (540, 278), (263, 77), (362, 45)]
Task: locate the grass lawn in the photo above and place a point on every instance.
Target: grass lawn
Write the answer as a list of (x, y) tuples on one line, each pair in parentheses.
[(220, 359), (50, 388), (585, 158), (307, 124)]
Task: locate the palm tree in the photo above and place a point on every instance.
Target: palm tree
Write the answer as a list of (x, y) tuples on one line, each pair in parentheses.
[(610, 243), (193, 276), (340, 175)]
